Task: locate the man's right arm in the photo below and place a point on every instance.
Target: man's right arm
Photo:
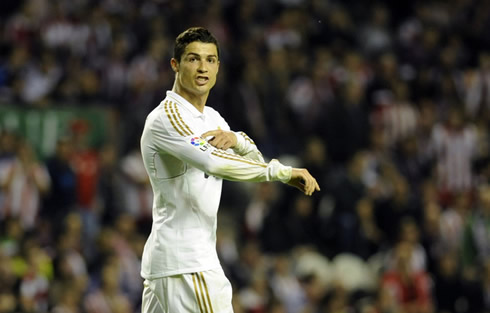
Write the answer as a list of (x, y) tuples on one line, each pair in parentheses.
[(192, 149), (244, 146)]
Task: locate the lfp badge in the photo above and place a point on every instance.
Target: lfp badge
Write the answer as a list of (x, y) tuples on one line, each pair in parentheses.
[(197, 141)]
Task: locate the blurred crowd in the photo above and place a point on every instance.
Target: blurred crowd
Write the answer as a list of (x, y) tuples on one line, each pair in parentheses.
[(386, 103)]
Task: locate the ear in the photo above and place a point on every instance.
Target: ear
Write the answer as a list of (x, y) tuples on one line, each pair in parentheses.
[(175, 65)]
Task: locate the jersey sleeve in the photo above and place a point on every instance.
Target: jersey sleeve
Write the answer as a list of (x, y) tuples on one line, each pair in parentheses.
[(170, 133), (247, 148)]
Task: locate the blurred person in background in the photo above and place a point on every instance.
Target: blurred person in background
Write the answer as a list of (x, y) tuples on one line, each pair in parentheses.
[(24, 181), (107, 297), (8, 144), (136, 188), (70, 266), (476, 236), (264, 200), (255, 297), (286, 286), (11, 236), (182, 165), (61, 199), (8, 147), (250, 260), (410, 288), (477, 96), (36, 271), (40, 80), (125, 232), (338, 301), (86, 165), (452, 223), (409, 231), (368, 237), (486, 285), (454, 143), (109, 185), (68, 302), (302, 223), (375, 38), (315, 292), (8, 297), (346, 125), (448, 286), (410, 163)]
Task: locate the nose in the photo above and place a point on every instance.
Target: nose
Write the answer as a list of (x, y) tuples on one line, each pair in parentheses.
[(202, 68)]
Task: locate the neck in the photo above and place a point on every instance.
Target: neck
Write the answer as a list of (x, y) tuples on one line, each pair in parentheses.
[(198, 101)]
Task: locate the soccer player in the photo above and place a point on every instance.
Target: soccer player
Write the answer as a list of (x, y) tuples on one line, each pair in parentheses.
[(188, 149)]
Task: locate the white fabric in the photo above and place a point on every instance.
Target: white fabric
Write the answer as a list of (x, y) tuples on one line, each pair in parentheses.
[(208, 291), (186, 176)]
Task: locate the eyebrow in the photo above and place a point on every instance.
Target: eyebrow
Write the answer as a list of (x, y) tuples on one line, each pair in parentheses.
[(209, 55)]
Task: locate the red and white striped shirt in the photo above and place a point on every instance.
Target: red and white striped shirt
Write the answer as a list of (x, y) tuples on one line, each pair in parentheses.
[(455, 150)]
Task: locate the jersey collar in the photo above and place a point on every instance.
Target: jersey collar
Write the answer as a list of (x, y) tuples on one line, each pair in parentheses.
[(182, 101)]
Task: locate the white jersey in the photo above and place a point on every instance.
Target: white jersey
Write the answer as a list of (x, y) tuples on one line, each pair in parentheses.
[(186, 175)]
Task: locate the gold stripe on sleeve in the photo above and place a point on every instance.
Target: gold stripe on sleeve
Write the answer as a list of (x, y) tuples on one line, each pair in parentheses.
[(181, 119), (235, 158), (207, 292), (247, 138), (197, 293), (224, 153), (202, 293), (171, 120), (173, 109)]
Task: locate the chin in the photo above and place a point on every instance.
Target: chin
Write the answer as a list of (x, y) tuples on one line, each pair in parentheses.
[(203, 89)]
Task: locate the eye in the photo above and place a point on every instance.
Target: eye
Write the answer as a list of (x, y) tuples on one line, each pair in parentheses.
[(192, 59), (212, 60)]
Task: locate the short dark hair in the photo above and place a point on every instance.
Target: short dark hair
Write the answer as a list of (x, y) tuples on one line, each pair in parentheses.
[(190, 35)]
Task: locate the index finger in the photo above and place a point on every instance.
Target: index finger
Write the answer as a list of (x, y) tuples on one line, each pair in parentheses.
[(317, 186), (210, 133)]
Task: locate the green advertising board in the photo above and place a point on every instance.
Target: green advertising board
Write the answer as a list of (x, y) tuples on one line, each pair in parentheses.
[(43, 127)]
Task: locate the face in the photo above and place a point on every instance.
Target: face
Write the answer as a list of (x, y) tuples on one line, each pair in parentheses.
[(197, 69)]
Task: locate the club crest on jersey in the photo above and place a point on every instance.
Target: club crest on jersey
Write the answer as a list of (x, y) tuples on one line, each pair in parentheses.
[(197, 141)]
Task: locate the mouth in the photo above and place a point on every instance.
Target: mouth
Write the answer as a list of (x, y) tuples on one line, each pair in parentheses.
[(202, 80)]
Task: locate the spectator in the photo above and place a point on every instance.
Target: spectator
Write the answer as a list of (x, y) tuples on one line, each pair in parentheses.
[(476, 246), (108, 297), (455, 148), (448, 289), (286, 286), (86, 164), (477, 99), (137, 193), (24, 180), (110, 185), (409, 288), (40, 80), (264, 200), (255, 297), (68, 301), (34, 283), (61, 199)]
